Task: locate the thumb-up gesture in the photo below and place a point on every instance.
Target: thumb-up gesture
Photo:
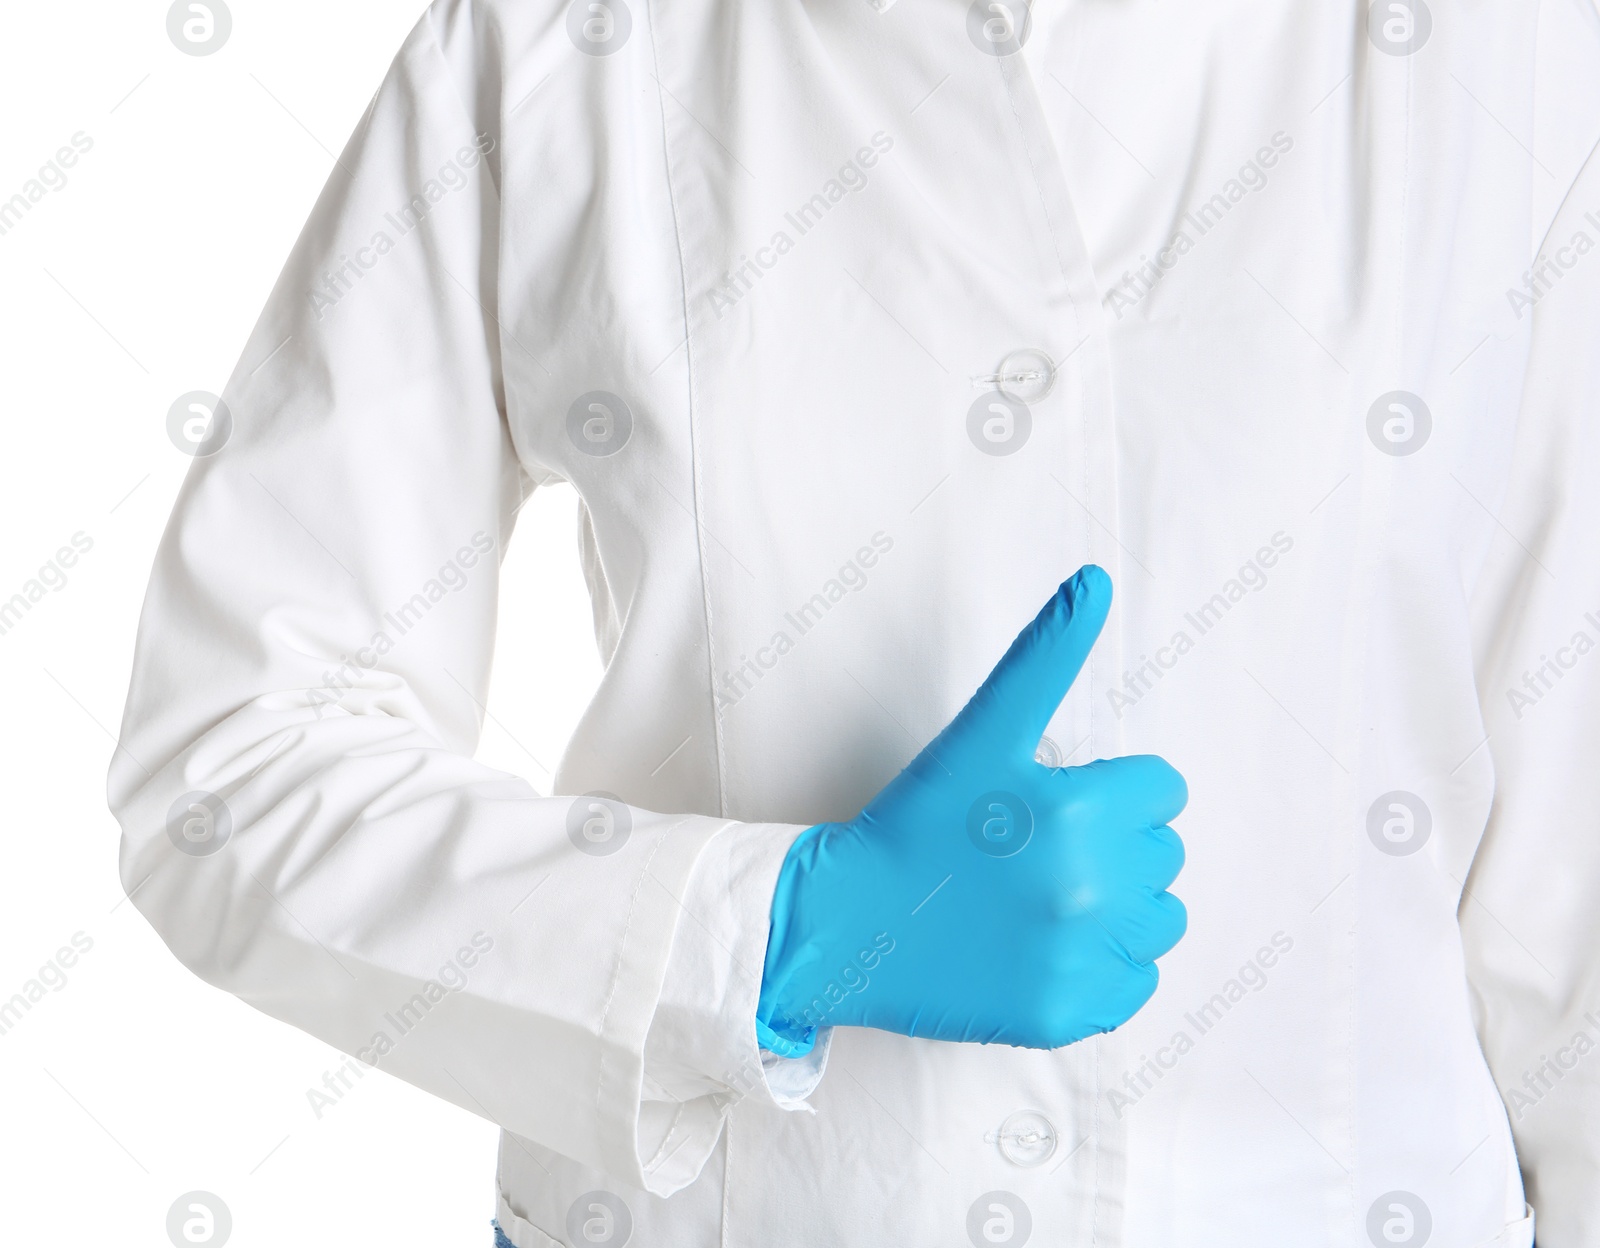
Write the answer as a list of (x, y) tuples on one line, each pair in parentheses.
[(982, 896)]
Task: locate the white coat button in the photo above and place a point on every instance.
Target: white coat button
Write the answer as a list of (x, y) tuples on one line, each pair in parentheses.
[(1027, 1138), (1026, 374)]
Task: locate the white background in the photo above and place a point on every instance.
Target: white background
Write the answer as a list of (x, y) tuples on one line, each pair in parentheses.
[(138, 281)]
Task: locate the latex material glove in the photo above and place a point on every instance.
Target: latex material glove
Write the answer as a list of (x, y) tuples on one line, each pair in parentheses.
[(982, 896)]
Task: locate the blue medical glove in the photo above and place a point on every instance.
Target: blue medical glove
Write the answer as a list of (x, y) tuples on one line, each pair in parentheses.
[(983, 896)]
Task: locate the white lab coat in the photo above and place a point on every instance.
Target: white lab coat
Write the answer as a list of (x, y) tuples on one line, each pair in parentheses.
[(800, 242)]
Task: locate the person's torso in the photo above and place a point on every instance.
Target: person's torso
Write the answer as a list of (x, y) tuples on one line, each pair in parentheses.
[(903, 332)]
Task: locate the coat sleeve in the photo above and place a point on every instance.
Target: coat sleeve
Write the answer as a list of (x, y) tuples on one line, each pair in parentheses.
[(1531, 914), (303, 821)]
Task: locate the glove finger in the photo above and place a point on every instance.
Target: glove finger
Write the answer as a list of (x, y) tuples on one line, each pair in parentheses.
[(1156, 856), (1126, 997), (1150, 926), (1013, 706), (1135, 788)]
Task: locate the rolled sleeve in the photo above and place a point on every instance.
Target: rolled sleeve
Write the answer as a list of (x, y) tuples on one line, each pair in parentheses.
[(701, 1054)]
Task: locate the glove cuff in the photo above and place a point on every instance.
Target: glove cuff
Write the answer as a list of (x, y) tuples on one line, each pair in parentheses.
[(774, 1031), (772, 1042)]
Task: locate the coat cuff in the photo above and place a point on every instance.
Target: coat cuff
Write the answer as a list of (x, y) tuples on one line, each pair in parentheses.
[(701, 1054)]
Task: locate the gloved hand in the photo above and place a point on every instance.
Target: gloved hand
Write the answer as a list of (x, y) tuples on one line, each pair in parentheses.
[(982, 896)]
